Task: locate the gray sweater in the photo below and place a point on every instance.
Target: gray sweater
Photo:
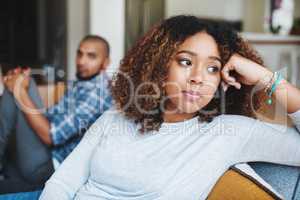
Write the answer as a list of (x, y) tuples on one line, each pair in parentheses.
[(182, 160)]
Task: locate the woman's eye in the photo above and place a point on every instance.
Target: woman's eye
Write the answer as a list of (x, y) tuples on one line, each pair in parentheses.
[(213, 69), (185, 62)]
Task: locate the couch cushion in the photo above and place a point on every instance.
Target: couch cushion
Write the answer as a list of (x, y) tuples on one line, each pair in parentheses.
[(234, 186), (282, 178)]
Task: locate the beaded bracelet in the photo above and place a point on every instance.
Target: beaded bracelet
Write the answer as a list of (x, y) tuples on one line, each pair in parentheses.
[(276, 79), (269, 84)]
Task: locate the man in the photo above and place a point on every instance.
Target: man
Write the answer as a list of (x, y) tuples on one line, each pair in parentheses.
[(61, 128)]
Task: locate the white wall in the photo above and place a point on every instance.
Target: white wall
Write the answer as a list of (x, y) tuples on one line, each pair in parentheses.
[(297, 8), (77, 28), (229, 9), (107, 19), (256, 22)]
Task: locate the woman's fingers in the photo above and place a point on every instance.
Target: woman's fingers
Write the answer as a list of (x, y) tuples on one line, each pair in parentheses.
[(226, 72), (229, 80), (224, 86), (236, 84)]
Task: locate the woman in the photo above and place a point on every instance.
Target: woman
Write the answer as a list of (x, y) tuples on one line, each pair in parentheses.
[(168, 137)]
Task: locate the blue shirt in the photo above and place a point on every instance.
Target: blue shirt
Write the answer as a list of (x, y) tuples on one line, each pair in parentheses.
[(81, 105)]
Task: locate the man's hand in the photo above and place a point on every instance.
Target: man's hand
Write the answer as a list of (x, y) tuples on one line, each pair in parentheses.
[(17, 80)]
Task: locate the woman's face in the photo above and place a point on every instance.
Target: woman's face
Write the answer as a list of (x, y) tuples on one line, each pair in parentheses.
[(193, 77)]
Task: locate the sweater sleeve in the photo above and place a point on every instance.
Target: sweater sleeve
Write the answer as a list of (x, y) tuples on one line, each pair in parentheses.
[(73, 173), (271, 142), (296, 119)]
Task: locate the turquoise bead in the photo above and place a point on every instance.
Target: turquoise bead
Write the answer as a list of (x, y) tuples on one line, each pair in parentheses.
[(269, 101)]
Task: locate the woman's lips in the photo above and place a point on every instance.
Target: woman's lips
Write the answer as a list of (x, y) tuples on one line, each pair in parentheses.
[(191, 95)]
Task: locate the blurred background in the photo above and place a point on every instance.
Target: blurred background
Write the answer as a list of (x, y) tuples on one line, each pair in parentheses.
[(44, 34)]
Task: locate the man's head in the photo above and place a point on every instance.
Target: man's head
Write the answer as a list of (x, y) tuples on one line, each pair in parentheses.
[(92, 57)]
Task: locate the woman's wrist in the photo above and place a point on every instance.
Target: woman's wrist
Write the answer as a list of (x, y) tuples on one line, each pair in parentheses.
[(266, 77), (271, 83)]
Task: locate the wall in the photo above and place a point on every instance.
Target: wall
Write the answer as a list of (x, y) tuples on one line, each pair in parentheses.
[(53, 27), (297, 9), (255, 22), (77, 27), (231, 9), (107, 18), (251, 12)]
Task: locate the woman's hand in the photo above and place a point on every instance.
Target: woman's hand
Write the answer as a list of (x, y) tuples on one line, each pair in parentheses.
[(249, 72)]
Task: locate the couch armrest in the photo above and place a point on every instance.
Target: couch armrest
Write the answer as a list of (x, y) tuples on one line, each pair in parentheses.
[(51, 93), (234, 186)]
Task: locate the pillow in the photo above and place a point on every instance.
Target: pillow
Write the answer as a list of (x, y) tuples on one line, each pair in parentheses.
[(234, 185)]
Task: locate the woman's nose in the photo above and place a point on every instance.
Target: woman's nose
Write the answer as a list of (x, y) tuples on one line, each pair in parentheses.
[(196, 76)]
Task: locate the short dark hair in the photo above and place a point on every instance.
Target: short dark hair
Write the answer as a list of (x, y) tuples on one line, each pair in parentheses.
[(99, 39)]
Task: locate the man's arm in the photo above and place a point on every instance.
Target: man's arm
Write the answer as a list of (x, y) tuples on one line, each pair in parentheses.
[(17, 82), (37, 121), (81, 114)]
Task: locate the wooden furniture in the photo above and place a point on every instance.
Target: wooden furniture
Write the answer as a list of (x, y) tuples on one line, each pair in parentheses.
[(51, 93), (235, 186)]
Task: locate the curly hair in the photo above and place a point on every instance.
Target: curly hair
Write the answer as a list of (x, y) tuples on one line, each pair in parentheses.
[(147, 62)]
